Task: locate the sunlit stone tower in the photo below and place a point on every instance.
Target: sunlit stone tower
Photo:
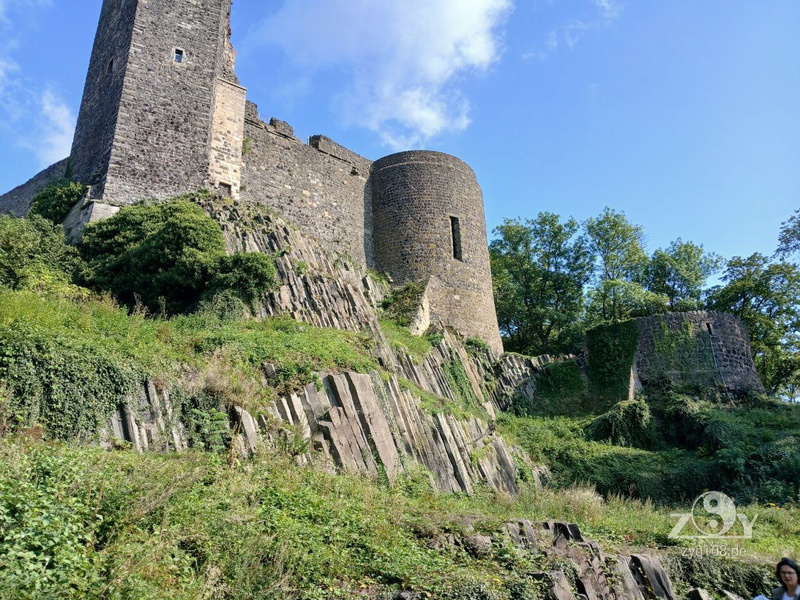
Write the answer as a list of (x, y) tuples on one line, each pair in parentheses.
[(162, 112)]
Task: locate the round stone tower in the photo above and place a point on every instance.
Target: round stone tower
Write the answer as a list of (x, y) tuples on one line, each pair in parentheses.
[(429, 228)]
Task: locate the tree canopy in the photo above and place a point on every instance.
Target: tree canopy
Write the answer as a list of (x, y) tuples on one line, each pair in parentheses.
[(540, 267)]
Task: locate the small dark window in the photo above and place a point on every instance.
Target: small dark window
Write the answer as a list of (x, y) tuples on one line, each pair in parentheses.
[(111, 66), (710, 331), (226, 190), (178, 55), (455, 230)]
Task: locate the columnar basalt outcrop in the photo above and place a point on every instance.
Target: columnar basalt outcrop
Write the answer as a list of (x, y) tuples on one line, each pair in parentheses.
[(370, 424)]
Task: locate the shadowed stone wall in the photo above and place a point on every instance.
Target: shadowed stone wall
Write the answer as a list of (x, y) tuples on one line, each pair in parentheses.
[(429, 228), (703, 348)]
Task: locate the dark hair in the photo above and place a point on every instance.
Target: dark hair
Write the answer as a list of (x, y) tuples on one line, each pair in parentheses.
[(789, 563)]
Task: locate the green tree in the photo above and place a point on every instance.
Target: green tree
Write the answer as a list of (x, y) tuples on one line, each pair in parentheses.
[(789, 237), (539, 268), (618, 246), (160, 254), (680, 273), (766, 296)]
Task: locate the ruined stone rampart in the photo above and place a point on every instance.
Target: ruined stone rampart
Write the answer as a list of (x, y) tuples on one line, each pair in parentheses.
[(318, 187), (700, 348)]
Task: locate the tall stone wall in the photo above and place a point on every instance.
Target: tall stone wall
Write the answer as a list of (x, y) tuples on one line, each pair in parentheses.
[(102, 93), (152, 137), (319, 187), (18, 201), (703, 348), (429, 227)]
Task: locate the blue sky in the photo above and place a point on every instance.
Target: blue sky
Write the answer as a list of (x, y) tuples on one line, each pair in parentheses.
[(681, 113)]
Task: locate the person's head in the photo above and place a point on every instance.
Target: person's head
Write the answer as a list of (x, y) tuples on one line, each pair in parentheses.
[(788, 573)]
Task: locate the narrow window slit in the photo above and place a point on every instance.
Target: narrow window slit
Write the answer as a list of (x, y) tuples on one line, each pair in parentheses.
[(710, 331), (178, 55), (455, 230)]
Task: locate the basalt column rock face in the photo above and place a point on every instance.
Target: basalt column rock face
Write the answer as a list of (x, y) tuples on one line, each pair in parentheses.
[(429, 228)]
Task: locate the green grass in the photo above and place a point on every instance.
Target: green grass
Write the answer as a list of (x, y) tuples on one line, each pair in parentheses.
[(78, 522), (79, 359), (401, 340)]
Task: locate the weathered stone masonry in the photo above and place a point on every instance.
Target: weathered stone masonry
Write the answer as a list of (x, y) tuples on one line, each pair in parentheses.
[(429, 227), (163, 114), (696, 347)]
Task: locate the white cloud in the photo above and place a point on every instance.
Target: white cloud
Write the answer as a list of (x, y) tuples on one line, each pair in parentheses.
[(399, 63), (56, 125), (610, 11)]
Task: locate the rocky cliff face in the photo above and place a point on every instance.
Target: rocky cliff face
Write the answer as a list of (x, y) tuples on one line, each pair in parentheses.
[(372, 424)]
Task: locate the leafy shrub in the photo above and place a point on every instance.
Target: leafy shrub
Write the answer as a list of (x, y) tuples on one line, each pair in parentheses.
[(169, 257), (248, 275), (161, 254), (47, 534), (402, 303), (34, 254), (56, 200), (628, 423)]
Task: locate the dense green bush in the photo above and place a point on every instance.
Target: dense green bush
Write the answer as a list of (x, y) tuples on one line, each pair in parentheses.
[(248, 275), (628, 423), (56, 200), (34, 254), (169, 257), (160, 254)]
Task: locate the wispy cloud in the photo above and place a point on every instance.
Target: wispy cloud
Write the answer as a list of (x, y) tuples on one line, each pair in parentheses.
[(31, 115), (399, 64), (609, 11), (56, 124), (594, 15)]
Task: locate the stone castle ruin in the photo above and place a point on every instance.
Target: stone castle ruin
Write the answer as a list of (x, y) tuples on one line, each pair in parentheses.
[(701, 348), (163, 114)]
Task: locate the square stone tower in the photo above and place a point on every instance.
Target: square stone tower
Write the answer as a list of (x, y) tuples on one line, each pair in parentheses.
[(162, 111)]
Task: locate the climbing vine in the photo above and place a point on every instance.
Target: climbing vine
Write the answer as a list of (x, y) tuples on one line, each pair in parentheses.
[(612, 349)]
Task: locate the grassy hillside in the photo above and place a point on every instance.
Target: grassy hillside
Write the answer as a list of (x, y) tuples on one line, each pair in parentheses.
[(78, 522)]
